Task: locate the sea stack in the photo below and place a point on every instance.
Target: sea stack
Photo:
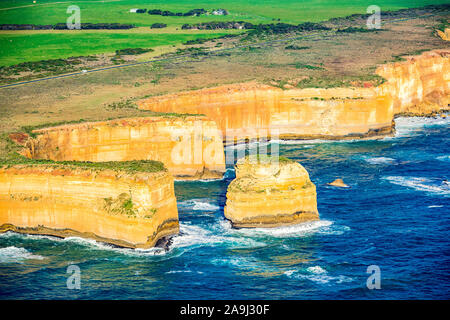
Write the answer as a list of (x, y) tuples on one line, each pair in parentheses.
[(129, 207), (270, 192)]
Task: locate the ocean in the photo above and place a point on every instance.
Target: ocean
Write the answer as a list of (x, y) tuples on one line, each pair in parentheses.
[(395, 215)]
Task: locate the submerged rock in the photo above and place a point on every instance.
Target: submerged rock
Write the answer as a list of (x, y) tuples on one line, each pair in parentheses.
[(270, 193), (338, 183)]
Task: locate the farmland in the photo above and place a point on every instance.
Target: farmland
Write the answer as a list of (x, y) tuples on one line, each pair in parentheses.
[(34, 45)]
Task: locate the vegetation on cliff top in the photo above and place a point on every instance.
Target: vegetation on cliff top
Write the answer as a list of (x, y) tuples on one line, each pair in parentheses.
[(13, 158), (131, 167)]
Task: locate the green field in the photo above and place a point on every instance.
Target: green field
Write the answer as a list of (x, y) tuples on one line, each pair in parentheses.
[(37, 45), (17, 48), (289, 11)]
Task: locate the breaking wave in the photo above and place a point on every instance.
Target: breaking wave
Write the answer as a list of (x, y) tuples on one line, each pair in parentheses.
[(292, 231), (379, 160), (410, 126), (13, 254), (435, 186), (316, 274), (444, 158), (199, 205)]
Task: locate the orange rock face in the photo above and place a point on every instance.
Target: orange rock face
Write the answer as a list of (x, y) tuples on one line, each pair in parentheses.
[(190, 147), (270, 194), (129, 210), (444, 35), (420, 85), (252, 110)]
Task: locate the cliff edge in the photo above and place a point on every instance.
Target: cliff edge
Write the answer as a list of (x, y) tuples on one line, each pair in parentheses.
[(190, 147), (420, 85)]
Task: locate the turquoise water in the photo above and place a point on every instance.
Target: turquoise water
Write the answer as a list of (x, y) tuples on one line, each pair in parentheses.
[(395, 215)]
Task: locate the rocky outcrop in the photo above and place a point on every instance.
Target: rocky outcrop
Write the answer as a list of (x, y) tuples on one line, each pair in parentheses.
[(338, 183), (266, 193), (126, 209), (444, 35), (252, 110), (420, 85), (190, 147)]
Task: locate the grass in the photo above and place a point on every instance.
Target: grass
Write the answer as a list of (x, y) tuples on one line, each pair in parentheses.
[(288, 11), (125, 166), (35, 45), (15, 49), (104, 95)]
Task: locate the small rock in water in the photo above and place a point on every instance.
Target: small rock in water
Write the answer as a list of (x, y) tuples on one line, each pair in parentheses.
[(338, 183)]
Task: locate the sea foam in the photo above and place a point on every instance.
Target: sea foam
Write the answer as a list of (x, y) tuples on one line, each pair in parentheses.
[(409, 126), (434, 186), (199, 205), (13, 254)]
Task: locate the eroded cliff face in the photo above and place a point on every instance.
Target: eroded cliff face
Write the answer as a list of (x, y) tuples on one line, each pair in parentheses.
[(129, 210), (190, 147), (444, 35), (252, 110), (270, 194), (420, 85)]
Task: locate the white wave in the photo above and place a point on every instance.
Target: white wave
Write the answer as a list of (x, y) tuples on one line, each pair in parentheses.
[(14, 254), (194, 236), (379, 160), (199, 205), (289, 272), (297, 230), (205, 206), (317, 274), (93, 244), (435, 206), (316, 270), (420, 184), (306, 144), (444, 158), (183, 271), (407, 126), (11, 234), (310, 142)]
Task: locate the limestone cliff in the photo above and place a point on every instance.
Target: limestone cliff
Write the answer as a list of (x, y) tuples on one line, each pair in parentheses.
[(420, 85), (251, 110), (444, 35), (270, 194), (129, 210), (190, 147)]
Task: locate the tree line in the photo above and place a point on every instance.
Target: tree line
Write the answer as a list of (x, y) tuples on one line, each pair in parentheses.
[(63, 26)]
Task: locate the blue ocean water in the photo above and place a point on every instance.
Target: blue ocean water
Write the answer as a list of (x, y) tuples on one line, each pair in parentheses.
[(395, 215)]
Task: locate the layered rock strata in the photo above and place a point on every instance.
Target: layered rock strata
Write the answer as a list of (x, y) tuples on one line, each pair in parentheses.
[(252, 110), (190, 147), (420, 85), (126, 209), (266, 193), (417, 86)]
